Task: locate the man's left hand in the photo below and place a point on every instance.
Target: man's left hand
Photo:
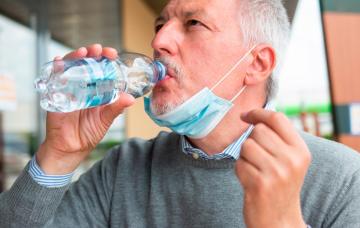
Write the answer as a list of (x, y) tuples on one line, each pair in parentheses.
[(271, 168)]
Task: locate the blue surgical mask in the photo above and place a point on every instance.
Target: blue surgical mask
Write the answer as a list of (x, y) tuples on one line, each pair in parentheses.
[(200, 114)]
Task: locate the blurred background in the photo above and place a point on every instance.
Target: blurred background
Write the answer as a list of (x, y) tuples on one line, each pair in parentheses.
[(319, 82)]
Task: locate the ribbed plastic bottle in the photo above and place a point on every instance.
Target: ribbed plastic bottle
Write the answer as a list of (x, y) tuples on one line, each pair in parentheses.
[(70, 85)]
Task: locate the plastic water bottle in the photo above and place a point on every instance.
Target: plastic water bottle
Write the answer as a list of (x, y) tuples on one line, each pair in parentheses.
[(69, 85)]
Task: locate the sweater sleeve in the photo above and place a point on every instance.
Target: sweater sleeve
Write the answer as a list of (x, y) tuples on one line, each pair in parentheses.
[(346, 209), (85, 203)]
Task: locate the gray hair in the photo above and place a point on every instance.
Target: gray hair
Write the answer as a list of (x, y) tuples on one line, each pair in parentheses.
[(266, 21)]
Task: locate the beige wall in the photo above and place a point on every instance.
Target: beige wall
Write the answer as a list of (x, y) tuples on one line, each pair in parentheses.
[(138, 32)]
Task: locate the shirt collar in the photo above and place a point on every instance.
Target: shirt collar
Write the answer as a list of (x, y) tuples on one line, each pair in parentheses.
[(232, 151)]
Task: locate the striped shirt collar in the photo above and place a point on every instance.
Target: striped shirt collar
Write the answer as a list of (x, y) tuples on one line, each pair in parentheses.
[(232, 151)]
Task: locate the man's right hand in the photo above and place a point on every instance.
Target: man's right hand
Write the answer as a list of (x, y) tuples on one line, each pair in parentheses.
[(70, 137)]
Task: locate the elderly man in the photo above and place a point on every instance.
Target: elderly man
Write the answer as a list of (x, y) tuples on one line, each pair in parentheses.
[(230, 161)]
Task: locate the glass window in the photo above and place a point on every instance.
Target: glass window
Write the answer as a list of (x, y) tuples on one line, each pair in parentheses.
[(19, 122), (303, 79), (19, 115)]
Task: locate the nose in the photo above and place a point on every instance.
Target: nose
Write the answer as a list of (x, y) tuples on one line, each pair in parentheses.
[(165, 41)]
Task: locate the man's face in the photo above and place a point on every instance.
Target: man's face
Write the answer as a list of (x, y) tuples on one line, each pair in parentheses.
[(199, 41)]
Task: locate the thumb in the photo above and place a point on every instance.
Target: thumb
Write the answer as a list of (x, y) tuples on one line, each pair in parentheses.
[(111, 111)]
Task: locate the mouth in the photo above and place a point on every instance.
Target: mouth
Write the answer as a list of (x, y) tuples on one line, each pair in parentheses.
[(167, 81), (170, 78), (167, 77), (170, 73)]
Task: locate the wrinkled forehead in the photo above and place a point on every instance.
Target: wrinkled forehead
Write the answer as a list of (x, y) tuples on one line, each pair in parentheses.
[(215, 9)]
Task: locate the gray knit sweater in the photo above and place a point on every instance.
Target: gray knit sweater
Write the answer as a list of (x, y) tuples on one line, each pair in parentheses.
[(153, 184)]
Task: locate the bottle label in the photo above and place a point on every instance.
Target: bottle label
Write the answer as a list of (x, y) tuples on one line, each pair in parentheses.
[(101, 76)]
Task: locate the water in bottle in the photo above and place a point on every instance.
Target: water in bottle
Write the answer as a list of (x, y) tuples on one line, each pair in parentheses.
[(69, 85)]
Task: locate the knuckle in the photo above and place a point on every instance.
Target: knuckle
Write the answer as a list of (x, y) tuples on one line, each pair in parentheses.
[(281, 116), (282, 174), (260, 127), (294, 162), (247, 144), (304, 161), (307, 157), (298, 162), (239, 171), (238, 166), (263, 185), (277, 117), (253, 112)]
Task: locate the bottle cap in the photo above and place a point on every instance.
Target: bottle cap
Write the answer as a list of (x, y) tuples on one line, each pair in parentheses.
[(161, 70)]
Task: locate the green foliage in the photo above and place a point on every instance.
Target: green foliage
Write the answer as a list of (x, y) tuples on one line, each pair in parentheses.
[(296, 110)]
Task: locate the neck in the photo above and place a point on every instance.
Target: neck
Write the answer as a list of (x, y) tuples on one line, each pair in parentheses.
[(221, 137), (229, 129)]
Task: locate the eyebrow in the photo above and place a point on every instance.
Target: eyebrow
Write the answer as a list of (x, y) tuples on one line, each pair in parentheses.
[(186, 14), (159, 19), (191, 13), (202, 13)]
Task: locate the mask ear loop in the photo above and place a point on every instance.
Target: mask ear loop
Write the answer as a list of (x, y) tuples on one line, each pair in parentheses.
[(238, 94), (232, 69)]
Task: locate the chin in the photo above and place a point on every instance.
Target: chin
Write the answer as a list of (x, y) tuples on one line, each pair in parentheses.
[(159, 95), (162, 103), (159, 105)]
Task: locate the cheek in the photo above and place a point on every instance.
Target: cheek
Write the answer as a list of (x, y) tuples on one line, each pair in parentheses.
[(205, 74), (198, 72), (205, 65)]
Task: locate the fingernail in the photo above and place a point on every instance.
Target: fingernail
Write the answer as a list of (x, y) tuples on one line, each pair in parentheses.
[(128, 96), (131, 98), (243, 115), (81, 49)]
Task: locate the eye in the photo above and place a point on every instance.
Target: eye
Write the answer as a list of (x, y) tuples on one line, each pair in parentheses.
[(193, 22), (158, 27)]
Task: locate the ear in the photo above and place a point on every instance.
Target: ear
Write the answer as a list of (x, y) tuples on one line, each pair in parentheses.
[(262, 65)]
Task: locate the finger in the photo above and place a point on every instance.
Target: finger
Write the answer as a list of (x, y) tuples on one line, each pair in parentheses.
[(58, 64), (246, 173), (109, 53), (257, 156), (94, 50), (110, 112), (267, 139), (276, 121), (77, 54)]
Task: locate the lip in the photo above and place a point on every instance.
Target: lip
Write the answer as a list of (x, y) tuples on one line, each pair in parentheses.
[(165, 80), (170, 73)]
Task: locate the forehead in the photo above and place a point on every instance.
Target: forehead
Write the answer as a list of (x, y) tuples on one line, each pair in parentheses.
[(216, 9)]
